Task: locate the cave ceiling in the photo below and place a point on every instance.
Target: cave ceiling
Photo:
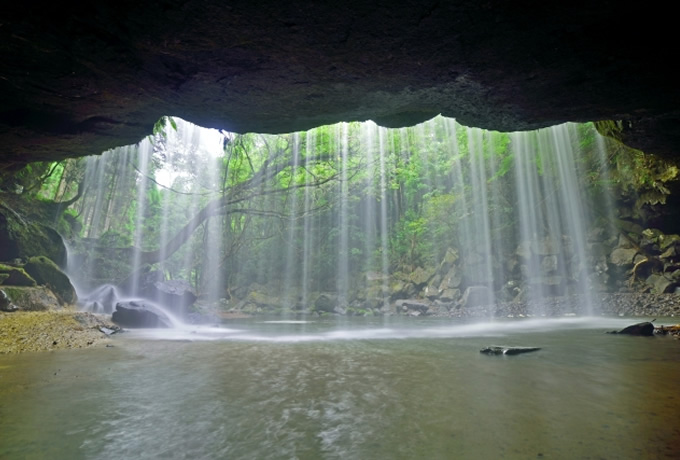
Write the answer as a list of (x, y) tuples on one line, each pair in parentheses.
[(78, 80)]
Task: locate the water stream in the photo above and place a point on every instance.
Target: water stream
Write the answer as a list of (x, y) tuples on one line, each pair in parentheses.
[(397, 388)]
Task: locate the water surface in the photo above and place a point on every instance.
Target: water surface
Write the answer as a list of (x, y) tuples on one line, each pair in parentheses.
[(348, 388)]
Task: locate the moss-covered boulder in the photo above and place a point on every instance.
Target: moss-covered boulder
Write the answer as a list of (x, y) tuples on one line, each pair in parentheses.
[(15, 276), (22, 238), (47, 273), (35, 298)]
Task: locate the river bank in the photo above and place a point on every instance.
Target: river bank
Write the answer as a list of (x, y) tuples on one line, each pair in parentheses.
[(66, 329), (52, 330)]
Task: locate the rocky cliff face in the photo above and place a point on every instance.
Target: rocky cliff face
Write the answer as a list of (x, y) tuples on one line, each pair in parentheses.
[(80, 80)]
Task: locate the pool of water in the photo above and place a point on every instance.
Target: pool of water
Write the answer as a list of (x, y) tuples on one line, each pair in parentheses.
[(394, 388)]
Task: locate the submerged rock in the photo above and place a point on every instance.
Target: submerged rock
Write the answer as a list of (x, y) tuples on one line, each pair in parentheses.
[(136, 314), (499, 350)]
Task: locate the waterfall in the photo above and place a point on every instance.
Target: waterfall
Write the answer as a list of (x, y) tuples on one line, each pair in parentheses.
[(361, 214)]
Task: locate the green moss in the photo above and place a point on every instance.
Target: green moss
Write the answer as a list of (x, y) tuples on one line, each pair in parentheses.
[(46, 272), (15, 276), (22, 238), (37, 298)]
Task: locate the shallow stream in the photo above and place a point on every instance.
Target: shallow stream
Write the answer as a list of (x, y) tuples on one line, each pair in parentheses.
[(394, 388)]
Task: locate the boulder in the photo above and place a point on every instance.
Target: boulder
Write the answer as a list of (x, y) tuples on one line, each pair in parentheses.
[(546, 246), (410, 305), (139, 314), (420, 276), (32, 298), (450, 295), (660, 284), (47, 273), (102, 300), (326, 302), (497, 350), (450, 258), (641, 329), (451, 280), (5, 303), (475, 296), (141, 283), (22, 238), (15, 276), (177, 295), (623, 256)]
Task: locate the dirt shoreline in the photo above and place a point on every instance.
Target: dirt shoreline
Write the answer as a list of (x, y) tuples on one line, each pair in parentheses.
[(52, 330)]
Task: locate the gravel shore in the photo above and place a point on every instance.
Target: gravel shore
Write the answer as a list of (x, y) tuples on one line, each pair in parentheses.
[(52, 330), (618, 304)]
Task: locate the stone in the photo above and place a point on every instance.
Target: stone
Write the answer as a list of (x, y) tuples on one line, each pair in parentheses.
[(136, 314), (326, 302), (46, 272), (5, 303), (411, 305), (450, 295), (549, 264), (22, 238), (450, 257), (420, 276), (452, 279), (640, 329), (15, 276), (546, 246), (32, 298), (660, 284), (101, 300), (500, 350), (475, 296), (176, 295), (623, 256)]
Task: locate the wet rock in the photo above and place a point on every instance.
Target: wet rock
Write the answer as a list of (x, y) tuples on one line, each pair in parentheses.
[(411, 306), (660, 283), (137, 314), (101, 300), (450, 258), (326, 302), (623, 256), (475, 296), (141, 283), (33, 298), (640, 329), (15, 276), (46, 272), (177, 295), (420, 276), (451, 280), (501, 350), (5, 303)]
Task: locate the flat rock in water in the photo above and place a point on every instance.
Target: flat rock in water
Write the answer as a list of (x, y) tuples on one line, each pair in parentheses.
[(643, 329), (497, 350)]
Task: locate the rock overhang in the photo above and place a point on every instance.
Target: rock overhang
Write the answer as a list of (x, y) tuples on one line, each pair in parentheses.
[(78, 80)]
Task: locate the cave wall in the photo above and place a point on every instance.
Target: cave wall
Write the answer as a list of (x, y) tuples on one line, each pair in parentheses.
[(77, 80)]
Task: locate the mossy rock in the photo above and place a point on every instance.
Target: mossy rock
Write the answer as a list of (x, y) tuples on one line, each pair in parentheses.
[(15, 276), (36, 298), (22, 238), (47, 273)]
